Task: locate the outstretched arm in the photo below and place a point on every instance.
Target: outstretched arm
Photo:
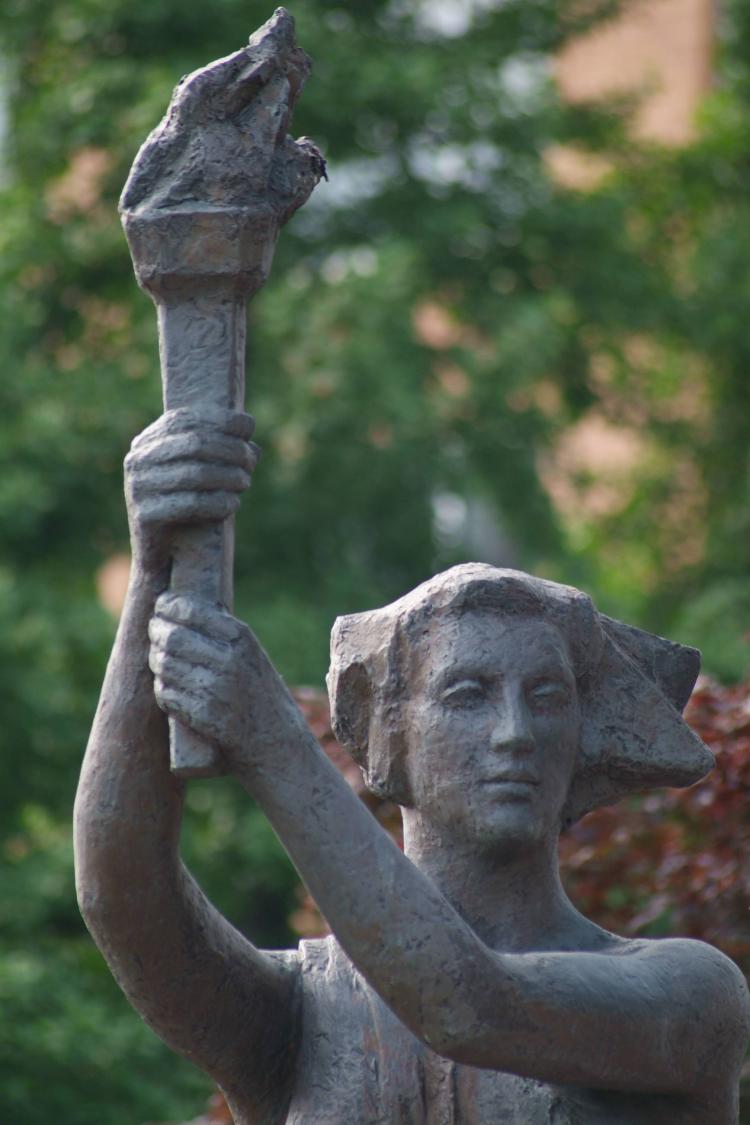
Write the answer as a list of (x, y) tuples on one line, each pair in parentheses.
[(670, 1017), (201, 985)]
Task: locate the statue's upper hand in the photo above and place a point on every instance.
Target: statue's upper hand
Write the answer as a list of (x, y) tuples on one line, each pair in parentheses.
[(185, 468), (223, 142)]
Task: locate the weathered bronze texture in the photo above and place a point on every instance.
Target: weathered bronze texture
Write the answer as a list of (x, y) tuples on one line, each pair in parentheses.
[(460, 985)]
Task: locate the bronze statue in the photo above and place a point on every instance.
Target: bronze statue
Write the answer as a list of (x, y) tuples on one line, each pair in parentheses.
[(460, 986)]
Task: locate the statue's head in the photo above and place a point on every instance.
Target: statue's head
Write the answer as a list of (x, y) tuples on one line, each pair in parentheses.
[(486, 692)]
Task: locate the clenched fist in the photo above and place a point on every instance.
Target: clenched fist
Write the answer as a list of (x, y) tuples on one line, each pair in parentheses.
[(185, 469), (211, 674)]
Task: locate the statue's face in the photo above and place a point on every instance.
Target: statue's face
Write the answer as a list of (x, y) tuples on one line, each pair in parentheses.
[(492, 727)]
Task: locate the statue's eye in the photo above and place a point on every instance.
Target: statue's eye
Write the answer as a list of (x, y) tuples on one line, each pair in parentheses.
[(464, 693), (548, 693)]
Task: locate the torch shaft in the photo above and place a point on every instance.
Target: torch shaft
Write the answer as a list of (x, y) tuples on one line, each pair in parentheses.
[(202, 353)]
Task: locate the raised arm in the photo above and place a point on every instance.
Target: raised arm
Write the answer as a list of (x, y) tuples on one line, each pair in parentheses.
[(668, 1017), (202, 208), (199, 984)]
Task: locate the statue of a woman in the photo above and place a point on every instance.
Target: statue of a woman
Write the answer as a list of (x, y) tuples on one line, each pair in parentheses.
[(460, 986)]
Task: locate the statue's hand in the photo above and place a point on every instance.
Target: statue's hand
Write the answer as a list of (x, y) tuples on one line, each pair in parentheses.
[(185, 468), (211, 674), (223, 142)]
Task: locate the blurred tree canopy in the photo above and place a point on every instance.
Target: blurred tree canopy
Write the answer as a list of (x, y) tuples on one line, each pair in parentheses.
[(443, 322)]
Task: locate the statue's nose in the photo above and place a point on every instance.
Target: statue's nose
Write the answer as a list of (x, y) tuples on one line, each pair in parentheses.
[(512, 730)]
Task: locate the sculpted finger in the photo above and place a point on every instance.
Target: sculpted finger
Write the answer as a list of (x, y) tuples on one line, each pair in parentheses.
[(144, 437), (183, 643), (235, 423), (205, 716), (199, 682), (188, 507), (156, 658), (159, 633), (240, 424), (195, 446), (198, 615), (179, 704), (169, 422), (191, 476), (168, 669)]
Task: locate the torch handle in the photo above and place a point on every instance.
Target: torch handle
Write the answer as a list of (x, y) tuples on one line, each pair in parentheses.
[(202, 353)]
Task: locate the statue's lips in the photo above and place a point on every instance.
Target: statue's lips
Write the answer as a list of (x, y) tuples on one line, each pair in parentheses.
[(512, 786)]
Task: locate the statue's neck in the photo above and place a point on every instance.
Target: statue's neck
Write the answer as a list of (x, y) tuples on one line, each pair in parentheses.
[(512, 898)]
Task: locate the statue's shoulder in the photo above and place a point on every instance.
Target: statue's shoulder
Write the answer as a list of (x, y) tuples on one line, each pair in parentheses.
[(706, 983), (332, 992), (688, 954), (318, 960)]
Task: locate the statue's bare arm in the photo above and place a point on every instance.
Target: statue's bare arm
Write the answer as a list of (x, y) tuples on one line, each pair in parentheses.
[(666, 1017), (201, 985), (222, 148)]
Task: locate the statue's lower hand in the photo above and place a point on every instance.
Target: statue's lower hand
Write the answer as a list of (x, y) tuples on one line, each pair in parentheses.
[(185, 469), (211, 674)]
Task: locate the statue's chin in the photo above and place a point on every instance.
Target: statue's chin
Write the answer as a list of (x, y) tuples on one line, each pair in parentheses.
[(503, 820), (507, 826)]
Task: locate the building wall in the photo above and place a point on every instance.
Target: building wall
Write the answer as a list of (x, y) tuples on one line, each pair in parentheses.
[(660, 47)]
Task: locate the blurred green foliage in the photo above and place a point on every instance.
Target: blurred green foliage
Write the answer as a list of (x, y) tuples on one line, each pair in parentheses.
[(441, 318)]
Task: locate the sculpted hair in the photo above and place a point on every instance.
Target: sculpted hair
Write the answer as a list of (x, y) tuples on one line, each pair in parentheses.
[(632, 685)]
